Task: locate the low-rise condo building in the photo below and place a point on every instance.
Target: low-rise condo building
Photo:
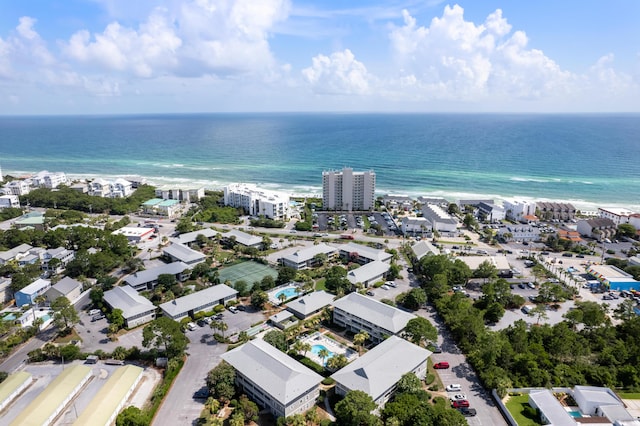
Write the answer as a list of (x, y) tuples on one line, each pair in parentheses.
[(257, 202)]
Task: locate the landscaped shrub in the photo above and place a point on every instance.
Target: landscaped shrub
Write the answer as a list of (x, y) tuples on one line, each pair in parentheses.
[(328, 381), (429, 379)]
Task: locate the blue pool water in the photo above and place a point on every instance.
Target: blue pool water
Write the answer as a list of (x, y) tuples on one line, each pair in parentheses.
[(10, 317), (316, 350), (46, 318), (575, 414), (289, 292)]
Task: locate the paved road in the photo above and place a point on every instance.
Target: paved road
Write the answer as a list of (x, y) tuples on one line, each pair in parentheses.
[(179, 406), (462, 373)]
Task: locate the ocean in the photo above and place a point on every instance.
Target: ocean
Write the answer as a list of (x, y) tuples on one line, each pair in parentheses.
[(590, 160)]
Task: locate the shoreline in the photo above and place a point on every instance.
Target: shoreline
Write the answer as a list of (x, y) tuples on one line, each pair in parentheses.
[(300, 191)]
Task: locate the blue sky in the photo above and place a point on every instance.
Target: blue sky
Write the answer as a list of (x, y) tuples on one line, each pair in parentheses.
[(123, 56)]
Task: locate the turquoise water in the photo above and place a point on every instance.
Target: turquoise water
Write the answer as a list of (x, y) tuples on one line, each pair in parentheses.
[(575, 414), (46, 318), (10, 317), (289, 292), (586, 159), (316, 350)]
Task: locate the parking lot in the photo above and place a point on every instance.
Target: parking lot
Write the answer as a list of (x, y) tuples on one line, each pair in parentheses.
[(327, 221)]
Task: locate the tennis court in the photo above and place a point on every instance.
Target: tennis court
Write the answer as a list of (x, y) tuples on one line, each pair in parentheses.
[(248, 272)]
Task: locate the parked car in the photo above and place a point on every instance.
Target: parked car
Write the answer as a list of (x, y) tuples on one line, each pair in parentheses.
[(522, 285), (460, 404), (531, 285), (459, 397), (391, 284), (467, 412), (441, 365), (233, 309), (436, 349), (384, 287), (454, 387), (370, 293)]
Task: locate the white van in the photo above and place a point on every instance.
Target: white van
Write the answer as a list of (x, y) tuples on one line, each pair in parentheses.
[(191, 326)]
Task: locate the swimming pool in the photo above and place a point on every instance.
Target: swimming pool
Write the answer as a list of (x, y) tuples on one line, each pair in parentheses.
[(575, 414), (289, 292), (10, 317), (315, 349), (45, 317)]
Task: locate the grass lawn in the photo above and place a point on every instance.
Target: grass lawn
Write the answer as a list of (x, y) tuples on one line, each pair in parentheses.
[(320, 284), (516, 406), (629, 395), (68, 338)]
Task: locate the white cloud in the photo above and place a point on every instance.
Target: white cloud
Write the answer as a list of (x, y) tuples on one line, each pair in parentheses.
[(191, 39), (339, 73)]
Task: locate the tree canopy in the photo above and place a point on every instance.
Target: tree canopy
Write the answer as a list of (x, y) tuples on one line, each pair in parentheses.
[(165, 334)]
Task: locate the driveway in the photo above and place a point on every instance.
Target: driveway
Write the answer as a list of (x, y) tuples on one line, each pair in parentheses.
[(179, 406), (94, 335)]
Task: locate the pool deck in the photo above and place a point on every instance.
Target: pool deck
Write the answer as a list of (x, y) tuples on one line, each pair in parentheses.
[(333, 346), (272, 294)]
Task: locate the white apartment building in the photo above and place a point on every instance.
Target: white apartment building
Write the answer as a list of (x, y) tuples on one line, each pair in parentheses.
[(347, 190), (516, 210), (17, 187), (180, 194), (46, 179), (7, 201), (617, 215), (257, 202), (440, 220)]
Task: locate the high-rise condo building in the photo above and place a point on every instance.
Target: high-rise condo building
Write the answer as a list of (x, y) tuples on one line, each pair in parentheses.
[(347, 190)]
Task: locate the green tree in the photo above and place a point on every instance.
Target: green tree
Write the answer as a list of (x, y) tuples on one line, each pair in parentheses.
[(249, 408), (96, 295), (323, 354), (409, 382), (165, 333), (65, 315), (336, 362), (116, 318), (540, 312), (259, 298), (415, 299), (355, 410), (132, 416), (286, 275), (221, 381), (237, 419), (419, 330), (166, 281), (276, 339), (219, 325), (626, 230), (486, 270), (625, 310), (360, 338)]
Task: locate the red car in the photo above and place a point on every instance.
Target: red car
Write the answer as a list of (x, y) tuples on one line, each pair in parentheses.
[(463, 403), (441, 365)]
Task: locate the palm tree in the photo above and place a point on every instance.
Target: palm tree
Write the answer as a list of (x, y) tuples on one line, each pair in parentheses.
[(306, 347), (297, 346), (323, 353), (360, 338), (282, 297), (219, 325)]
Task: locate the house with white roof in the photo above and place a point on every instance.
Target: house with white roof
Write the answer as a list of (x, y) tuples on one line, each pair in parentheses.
[(273, 379), (121, 188), (9, 201), (306, 257), (17, 187), (357, 313), (27, 295), (378, 371), (549, 408), (135, 309), (99, 188), (243, 238), (66, 287), (134, 234), (440, 219), (62, 254), (306, 306), (369, 273), (415, 226), (203, 300), (148, 279), (190, 237), (424, 248), (46, 179), (363, 254), (15, 253), (182, 253)]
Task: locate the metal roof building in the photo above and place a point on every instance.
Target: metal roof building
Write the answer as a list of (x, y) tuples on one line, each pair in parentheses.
[(182, 253), (358, 312), (550, 409), (13, 386), (273, 379), (424, 248), (111, 398), (190, 237), (377, 371), (199, 301), (305, 257), (243, 238), (365, 254), (148, 279), (369, 273), (308, 305), (135, 309), (50, 402)]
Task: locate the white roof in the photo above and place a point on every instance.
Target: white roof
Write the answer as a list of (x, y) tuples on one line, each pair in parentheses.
[(36, 286), (310, 303), (184, 253), (128, 300), (423, 248), (473, 262), (10, 254), (243, 238), (276, 373), (308, 253), (379, 370), (152, 274), (365, 251), (67, 285), (378, 313), (551, 407), (190, 237), (367, 272), (597, 395), (199, 298), (132, 231), (281, 316)]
